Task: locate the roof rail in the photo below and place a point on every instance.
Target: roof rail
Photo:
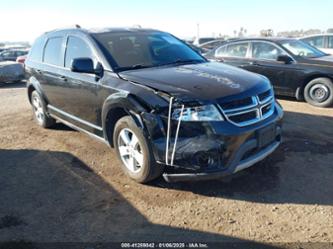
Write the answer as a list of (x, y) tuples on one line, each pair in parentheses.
[(76, 26)]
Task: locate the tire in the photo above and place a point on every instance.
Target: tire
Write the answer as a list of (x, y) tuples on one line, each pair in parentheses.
[(137, 159), (39, 111), (319, 92)]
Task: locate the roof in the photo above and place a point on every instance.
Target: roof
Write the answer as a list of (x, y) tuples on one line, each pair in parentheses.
[(100, 30), (272, 39), (124, 29), (308, 36)]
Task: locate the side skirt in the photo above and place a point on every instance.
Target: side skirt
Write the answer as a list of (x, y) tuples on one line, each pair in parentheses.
[(98, 138)]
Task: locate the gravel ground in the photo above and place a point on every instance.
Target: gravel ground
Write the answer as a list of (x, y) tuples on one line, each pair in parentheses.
[(59, 185)]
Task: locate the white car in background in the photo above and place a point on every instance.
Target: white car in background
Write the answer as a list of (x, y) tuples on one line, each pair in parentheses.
[(323, 41)]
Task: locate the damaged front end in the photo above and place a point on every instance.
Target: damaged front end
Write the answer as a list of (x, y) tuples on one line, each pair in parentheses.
[(243, 132)]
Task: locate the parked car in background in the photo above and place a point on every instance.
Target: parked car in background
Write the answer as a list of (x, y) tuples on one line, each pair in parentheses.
[(323, 42), (11, 72), (21, 59), (12, 54), (164, 107), (212, 44), (294, 67), (198, 41), (197, 48)]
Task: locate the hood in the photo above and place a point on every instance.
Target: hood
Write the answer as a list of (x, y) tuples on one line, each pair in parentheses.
[(205, 81)]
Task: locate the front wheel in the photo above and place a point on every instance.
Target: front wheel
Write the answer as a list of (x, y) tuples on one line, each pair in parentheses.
[(319, 92), (134, 151)]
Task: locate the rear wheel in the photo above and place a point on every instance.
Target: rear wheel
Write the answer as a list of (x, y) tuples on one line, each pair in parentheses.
[(134, 151), (319, 92), (39, 111)]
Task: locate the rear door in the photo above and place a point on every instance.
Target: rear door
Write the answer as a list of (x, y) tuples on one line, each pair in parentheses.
[(235, 54), (51, 75)]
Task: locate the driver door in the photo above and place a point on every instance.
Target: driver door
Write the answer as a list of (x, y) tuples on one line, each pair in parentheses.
[(263, 60)]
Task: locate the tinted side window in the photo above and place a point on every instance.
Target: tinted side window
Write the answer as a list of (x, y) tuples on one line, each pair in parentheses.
[(330, 41), (236, 50), (20, 53), (6, 53), (266, 51), (36, 51), (317, 41), (76, 48), (53, 51), (220, 51)]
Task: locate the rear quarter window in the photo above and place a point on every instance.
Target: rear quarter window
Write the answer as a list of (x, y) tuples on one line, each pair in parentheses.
[(36, 52)]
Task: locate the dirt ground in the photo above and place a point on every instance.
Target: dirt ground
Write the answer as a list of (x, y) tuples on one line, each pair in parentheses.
[(59, 185)]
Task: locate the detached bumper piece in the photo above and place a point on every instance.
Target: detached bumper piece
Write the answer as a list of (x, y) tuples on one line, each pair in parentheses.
[(248, 154)]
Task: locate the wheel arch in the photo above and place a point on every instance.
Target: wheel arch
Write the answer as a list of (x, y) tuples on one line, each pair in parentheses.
[(33, 85), (117, 106)]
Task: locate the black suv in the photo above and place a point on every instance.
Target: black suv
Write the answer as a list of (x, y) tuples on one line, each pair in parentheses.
[(163, 106)]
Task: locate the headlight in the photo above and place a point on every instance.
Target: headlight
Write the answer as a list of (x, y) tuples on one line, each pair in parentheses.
[(198, 113)]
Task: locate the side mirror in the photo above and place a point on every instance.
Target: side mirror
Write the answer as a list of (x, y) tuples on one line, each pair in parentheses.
[(83, 65), (285, 58)]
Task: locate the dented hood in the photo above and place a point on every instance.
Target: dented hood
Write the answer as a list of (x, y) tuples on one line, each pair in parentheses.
[(206, 81)]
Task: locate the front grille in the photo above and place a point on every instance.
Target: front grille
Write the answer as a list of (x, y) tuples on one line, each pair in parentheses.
[(237, 103), (240, 118), (266, 109), (265, 95), (249, 110)]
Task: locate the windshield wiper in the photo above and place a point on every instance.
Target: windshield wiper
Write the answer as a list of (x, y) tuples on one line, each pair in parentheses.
[(180, 61), (140, 66), (135, 66)]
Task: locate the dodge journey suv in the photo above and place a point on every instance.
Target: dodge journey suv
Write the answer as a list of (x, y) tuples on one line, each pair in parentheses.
[(162, 106)]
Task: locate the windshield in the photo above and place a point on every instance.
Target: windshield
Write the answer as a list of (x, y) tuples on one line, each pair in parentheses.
[(303, 49), (134, 50)]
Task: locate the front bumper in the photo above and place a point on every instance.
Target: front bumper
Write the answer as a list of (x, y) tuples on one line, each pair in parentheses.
[(235, 166), (216, 149)]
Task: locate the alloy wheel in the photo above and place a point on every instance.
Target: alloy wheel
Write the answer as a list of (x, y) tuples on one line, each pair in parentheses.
[(130, 150), (38, 109)]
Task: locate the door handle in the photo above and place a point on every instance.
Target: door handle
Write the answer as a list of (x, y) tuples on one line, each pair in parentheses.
[(63, 78)]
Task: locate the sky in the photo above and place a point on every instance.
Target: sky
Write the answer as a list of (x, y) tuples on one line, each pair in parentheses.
[(26, 20)]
